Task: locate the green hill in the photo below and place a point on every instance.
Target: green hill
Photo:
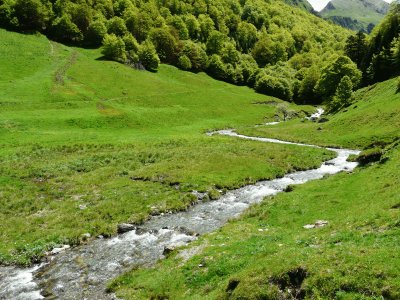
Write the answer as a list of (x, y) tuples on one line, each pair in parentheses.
[(267, 254), (356, 14), (77, 130), (239, 42)]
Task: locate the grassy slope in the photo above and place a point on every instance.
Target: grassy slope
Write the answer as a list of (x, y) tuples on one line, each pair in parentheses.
[(354, 257), (372, 119), (75, 130)]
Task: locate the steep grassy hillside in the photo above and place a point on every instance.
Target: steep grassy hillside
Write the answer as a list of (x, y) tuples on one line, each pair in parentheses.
[(356, 14), (268, 254), (372, 119), (86, 143)]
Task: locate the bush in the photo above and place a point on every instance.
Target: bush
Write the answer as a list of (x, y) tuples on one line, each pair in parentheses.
[(114, 48), (369, 156), (273, 86), (130, 43), (96, 33), (184, 63), (148, 56), (117, 26), (64, 30)]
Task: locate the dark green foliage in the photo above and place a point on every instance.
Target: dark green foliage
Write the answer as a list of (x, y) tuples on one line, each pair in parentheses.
[(95, 33), (64, 30), (197, 55), (307, 86), (131, 45), (381, 60), (356, 47), (32, 14)]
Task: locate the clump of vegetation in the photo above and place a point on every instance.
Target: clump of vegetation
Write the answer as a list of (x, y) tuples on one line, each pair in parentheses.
[(370, 155)]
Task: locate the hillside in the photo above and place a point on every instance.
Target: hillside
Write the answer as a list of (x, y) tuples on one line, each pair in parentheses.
[(267, 45), (72, 143), (268, 254), (356, 14)]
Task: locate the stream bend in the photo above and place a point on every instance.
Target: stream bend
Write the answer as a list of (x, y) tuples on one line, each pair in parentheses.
[(83, 272)]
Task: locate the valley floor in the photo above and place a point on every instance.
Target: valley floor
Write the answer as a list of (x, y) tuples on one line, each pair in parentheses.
[(88, 144)]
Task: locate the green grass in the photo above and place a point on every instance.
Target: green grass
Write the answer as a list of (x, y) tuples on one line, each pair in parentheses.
[(267, 254), (77, 131), (373, 120)]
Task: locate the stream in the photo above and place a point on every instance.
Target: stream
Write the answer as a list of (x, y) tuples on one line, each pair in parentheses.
[(83, 272)]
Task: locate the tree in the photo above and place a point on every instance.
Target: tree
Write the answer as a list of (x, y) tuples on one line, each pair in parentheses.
[(148, 56), (117, 26), (197, 55), (395, 51), (96, 32), (180, 26), (64, 30), (165, 43), (184, 63), (215, 42), (273, 86), (131, 44), (193, 26), (206, 26), (216, 67), (114, 48), (343, 94), (229, 54), (246, 36), (307, 86), (266, 51), (32, 14), (356, 48), (139, 24), (283, 110), (332, 74)]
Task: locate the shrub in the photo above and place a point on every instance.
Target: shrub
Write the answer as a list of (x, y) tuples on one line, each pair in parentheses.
[(184, 63), (370, 155), (114, 48), (96, 33), (64, 30), (273, 86), (148, 56)]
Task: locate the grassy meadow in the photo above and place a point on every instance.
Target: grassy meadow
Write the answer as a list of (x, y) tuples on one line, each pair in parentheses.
[(87, 144), (268, 254)]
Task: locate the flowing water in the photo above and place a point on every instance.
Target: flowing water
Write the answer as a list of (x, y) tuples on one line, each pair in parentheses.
[(83, 272)]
